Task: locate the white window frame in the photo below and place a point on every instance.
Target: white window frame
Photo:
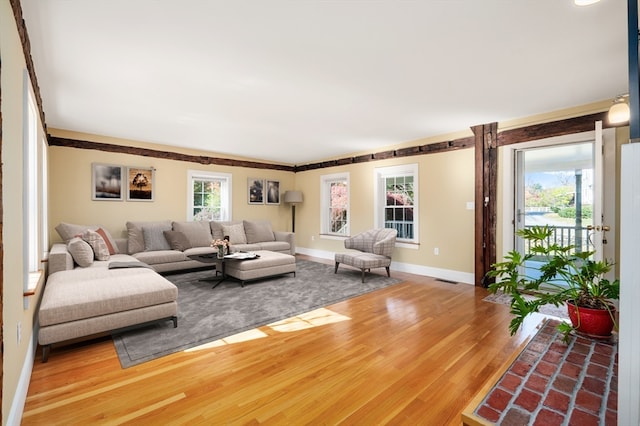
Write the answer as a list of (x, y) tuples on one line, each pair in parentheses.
[(34, 198), (325, 198), (225, 196), (379, 196)]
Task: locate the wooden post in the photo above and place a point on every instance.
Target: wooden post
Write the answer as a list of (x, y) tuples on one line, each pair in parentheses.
[(486, 188)]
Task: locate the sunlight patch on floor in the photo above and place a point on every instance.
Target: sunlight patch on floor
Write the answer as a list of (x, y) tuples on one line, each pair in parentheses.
[(245, 336), (311, 319)]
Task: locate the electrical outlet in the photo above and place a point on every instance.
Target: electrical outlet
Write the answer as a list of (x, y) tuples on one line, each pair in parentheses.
[(436, 251), (19, 332), (313, 238)]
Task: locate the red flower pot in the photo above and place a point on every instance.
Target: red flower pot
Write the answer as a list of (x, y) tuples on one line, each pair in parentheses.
[(591, 322)]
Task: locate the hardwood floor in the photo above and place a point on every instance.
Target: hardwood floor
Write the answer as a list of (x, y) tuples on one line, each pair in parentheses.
[(413, 353)]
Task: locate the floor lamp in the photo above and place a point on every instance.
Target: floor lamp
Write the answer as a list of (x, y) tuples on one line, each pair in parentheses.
[(293, 197)]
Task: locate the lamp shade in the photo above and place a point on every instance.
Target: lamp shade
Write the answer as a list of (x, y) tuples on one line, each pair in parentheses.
[(619, 112), (585, 2), (293, 197)]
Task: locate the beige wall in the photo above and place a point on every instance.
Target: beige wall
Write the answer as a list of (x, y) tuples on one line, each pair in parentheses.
[(446, 184), (17, 310), (70, 182)]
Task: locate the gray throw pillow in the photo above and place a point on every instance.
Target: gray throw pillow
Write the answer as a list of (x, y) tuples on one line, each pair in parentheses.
[(81, 251), (235, 233), (68, 230), (258, 231), (177, 240), (154, 238), (100, 249)]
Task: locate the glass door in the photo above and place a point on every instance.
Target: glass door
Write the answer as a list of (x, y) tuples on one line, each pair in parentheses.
[(559, 186)]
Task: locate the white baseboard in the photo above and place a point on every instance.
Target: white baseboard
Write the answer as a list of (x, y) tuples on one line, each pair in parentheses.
[(444, 274), (20, 397)]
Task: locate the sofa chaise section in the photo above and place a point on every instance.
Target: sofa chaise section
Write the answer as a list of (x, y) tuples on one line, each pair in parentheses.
[(82, 302)]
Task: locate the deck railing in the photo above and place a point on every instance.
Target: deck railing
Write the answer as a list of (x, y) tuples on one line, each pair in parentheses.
[(568, 235)]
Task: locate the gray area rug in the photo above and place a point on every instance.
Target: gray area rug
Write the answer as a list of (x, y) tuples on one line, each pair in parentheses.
[(505, 299), (206, 314)]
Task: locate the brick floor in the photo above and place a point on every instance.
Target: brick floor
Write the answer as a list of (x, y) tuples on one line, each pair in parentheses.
[(553, 383)]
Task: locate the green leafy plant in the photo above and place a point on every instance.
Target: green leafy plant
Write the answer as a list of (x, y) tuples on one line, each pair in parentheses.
[(563, 277)]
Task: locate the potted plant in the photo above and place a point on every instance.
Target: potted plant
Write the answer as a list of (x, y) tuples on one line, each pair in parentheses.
[(564, 276)]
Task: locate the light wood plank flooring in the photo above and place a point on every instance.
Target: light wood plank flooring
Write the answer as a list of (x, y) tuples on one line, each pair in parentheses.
[(414, 353)]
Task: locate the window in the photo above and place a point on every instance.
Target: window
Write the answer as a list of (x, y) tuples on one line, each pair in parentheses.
[(209, 196), (334, 204), (396, 200), (34, 192)]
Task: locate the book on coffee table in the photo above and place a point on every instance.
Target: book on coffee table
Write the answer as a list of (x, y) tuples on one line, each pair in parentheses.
[(242, 255)]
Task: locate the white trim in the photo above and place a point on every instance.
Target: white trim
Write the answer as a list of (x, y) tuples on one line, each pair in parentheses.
[(380, 173), (226, 194), (20, 398), (507, 171), (629, 337), (325, 180), (445, 274)]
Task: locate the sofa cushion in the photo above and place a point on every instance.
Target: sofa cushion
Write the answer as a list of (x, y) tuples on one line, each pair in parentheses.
[(198, 232), (160, 256), (177, 240), (100, 250), (92, 292), (135, 235), (154, 238), (68, 230), (216, 228), (235, 233), (258, 231), (81, 251)]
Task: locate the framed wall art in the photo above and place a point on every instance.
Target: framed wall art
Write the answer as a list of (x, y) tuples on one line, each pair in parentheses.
[(106, 182), (255, 189), (140, 183), (273, 192)]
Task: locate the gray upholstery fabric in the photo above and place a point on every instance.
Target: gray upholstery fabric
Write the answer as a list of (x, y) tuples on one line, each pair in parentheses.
[(177, 240), (69, 230), (81, 252), (198, 233), (83, 301), (374, 250), (269, 263), (154, 238), (59, 259), (235, 233), (258, 231), (100, 249), (160, 256), (217, 232), (136, 236)]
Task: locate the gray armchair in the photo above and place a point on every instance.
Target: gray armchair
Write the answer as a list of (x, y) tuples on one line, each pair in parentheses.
[(374, 250)]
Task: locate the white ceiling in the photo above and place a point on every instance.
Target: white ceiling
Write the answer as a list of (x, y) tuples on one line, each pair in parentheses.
[(298, 81)]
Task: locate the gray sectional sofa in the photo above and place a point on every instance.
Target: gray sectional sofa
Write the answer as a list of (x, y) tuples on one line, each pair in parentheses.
[(160, 245), (97, 283)]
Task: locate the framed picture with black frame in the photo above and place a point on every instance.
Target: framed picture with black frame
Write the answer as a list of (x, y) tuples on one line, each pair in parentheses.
[(106, 182), (255, 190)]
